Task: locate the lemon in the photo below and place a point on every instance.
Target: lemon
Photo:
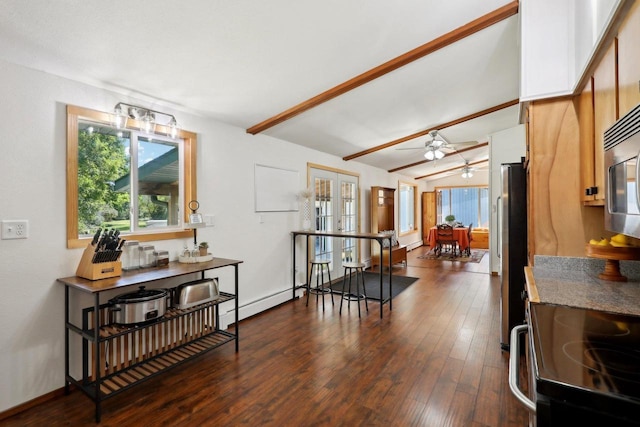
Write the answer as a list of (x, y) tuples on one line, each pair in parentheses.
[(621, 239)]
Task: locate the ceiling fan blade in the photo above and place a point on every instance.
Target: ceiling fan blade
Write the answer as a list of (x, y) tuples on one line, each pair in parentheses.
[(411, 148)]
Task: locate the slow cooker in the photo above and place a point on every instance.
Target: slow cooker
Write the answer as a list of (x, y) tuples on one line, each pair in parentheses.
[(141, 306)]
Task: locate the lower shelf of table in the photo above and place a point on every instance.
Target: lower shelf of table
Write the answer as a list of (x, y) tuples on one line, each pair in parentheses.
[(122, 380)]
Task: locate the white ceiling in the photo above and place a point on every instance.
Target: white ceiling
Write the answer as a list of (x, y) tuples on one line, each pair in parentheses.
[(244, 61)]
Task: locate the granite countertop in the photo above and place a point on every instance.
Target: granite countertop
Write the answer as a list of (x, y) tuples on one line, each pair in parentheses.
[(574, 282)]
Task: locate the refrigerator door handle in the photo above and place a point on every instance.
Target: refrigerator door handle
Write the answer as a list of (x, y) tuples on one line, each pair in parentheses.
[(498, 224)]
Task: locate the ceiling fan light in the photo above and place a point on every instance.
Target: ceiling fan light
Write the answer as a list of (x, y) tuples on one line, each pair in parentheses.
[(429, 155), (439, 154)]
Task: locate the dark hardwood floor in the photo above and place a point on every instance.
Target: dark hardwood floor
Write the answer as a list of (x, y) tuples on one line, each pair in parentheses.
[(435, 360)]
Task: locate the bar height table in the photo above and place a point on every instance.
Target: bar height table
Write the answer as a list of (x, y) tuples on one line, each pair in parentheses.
[(380, 238)]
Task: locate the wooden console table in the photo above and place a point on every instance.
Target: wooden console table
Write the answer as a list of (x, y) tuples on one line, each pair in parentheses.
[(117, 357), (380, 238)]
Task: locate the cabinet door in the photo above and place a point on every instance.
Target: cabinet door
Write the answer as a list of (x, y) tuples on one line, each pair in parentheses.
[(606, 111), (587, 149), (629, 60), (428, 214)]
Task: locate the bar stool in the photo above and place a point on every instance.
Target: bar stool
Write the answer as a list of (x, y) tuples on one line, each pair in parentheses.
[(350, 268), (319, 265)]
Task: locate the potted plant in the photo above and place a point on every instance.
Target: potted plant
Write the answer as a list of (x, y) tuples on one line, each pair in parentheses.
[(204, 248), (450, 219)]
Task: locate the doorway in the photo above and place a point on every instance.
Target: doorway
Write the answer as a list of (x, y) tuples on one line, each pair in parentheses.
[(336, 207)]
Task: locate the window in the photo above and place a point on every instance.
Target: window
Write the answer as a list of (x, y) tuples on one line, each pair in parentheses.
[(125, 179), (470, 205), (408, 203)]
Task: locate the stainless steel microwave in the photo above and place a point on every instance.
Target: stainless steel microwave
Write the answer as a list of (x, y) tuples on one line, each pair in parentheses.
[(621, 159)]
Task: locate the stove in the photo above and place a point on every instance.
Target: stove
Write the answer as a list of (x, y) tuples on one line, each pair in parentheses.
[(584, 365)]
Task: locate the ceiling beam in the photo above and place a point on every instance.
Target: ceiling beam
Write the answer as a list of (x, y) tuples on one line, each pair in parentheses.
[(453, 169), (437, 127), (421, 162), (459, 33)]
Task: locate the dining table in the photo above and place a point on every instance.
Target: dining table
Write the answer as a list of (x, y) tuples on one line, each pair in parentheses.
[(460, 234)]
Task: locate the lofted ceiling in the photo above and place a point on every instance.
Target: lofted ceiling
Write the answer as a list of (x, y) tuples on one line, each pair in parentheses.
[(346, 77)]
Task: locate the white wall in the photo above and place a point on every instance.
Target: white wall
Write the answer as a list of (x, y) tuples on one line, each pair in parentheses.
[(507, 146), (32, 187)]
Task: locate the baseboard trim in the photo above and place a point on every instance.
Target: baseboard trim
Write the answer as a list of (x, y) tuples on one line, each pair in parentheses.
[(257, 306), (414, 245), (33, 403)]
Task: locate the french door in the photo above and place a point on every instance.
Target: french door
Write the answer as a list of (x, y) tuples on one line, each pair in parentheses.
[(335, 197)]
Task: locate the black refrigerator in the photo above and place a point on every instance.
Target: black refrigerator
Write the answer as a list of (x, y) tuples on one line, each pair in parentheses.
[(512, 247)]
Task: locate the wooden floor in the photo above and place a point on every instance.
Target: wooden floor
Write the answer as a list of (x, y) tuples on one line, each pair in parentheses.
[(435, 360)]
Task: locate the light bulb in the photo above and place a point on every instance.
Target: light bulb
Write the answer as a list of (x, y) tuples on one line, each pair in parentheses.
[(148, 123), (439, 154), (120, 119), (429, 155), (173, 128)]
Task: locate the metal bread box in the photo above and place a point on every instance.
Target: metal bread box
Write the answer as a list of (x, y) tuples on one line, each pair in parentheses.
[(197, 292)]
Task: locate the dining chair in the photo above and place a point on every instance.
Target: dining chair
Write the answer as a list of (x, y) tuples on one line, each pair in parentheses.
[(467, 251), (445, 240)]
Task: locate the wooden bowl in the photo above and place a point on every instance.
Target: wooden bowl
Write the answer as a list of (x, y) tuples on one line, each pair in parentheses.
[(612, 256)]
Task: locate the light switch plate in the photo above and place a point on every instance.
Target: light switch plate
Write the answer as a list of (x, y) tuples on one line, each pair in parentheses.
[(15, 229)]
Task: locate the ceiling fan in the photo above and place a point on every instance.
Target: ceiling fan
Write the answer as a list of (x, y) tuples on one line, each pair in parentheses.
[(467, 170), (437, 147)]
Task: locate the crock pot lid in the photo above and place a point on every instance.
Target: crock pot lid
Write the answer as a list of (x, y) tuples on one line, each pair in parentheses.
[(142, 295)]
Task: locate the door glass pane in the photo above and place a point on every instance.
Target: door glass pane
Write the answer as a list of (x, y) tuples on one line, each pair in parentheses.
[(348, 219), (324, 217)]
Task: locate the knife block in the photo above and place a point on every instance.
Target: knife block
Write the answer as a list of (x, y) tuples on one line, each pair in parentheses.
[(88, 270)]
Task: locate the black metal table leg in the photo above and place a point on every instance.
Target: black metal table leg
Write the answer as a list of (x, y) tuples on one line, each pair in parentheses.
[(66, 339), (237, 313), (293, 267), (96, 353)]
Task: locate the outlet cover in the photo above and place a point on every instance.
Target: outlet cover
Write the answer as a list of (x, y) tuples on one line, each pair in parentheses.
[(15, 229)]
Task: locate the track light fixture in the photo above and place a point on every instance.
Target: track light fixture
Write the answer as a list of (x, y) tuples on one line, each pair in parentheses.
[(146, 118)]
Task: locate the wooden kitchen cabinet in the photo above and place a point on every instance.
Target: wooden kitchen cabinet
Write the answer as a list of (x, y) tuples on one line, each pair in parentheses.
[(629, 60), (559, 224), (117, 357), (605, 102), (429, 213)]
